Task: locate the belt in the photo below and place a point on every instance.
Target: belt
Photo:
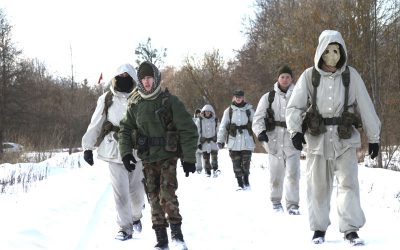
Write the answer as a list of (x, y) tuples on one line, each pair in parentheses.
[(332, 121), (280, 124)]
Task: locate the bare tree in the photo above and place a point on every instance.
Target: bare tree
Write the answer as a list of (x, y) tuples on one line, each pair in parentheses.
[(145, 52), (8, 58)]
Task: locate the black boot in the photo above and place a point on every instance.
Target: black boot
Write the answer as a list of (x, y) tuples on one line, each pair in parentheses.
[(246, 180), (318, 237), (176, 236), (240, 181), (162, 239)]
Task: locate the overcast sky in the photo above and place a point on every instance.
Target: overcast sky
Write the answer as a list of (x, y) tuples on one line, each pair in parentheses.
[(104, 34)]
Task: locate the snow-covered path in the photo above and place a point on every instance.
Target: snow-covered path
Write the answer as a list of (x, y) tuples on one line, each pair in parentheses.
[(75, 210)]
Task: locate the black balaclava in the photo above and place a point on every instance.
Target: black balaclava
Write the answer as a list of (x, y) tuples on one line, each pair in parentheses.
[(124, 84)]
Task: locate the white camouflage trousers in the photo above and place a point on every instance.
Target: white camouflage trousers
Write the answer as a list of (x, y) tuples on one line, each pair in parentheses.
[(284, 173), (128, 194), (320, 176)]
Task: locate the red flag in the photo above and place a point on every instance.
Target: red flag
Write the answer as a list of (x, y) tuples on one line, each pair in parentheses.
[(100, 78)]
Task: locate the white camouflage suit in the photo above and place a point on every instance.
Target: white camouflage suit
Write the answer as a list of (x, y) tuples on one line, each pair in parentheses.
[(284, 159), (127, 186), (241, 146), (327, 154), (207, 128)]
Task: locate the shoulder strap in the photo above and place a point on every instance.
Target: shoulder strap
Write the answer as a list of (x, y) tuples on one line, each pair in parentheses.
[(315, 78), (168, 115), (346, 83), (201, 125), (271, 97), (248, 113), (230, 115), (107, 102)]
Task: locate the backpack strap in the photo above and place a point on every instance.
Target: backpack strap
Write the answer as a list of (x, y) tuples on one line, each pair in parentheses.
[(201, 125), (315, 78), (271, 97), (346, 83), (108, 100), (168, 115)]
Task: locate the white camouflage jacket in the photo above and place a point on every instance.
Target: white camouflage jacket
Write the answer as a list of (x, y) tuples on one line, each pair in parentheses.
[(108, 149), (242, 141), (279, 138), (207, 128), (330, 102)]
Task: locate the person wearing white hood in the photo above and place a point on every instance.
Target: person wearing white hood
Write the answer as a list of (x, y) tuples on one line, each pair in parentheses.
[(339, 104), (103, 131), (207, 127)]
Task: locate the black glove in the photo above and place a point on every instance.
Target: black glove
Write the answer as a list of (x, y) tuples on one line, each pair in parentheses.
[(221, 145), (188, 167), (129, 162), (200, 146), (88, 157), (298, 141), (373, 149), (263, 136)]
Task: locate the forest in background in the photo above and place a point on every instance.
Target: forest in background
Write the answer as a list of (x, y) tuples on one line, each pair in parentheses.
[(43, 111)]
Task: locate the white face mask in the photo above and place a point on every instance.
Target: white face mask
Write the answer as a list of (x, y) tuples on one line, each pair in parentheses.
[(331, 55)]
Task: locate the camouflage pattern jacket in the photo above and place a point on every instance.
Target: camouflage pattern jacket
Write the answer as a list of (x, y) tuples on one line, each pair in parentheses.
[(141, 116)]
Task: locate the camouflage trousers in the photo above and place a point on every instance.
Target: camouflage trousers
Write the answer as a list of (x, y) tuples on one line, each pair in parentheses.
[(214, 160), (240, 162), (161, 185)]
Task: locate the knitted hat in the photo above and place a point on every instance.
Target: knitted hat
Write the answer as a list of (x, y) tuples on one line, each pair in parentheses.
[(238, 92), (285, 69), (149, 69), (145, 70)]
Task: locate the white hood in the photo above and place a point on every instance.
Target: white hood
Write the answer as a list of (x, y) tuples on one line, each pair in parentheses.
[(327, 37)]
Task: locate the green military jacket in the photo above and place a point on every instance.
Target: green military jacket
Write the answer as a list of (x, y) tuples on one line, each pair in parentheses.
[(141, 116)]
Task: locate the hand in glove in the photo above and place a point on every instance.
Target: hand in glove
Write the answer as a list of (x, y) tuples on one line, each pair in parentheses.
[(263, 136), (298, 141), (200, 146), (129, 162), (88, 157), (188, 167), (373, 149), (221, 145)]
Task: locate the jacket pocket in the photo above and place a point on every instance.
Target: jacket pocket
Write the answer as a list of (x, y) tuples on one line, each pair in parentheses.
[(271, 145), (108, 147)]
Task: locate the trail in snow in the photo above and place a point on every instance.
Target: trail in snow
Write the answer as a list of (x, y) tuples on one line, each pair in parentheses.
[(75, 210)]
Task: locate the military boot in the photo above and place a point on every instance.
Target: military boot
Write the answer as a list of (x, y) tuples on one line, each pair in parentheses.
[(177, 237), (162, 239), (246, 180), (240, 182)]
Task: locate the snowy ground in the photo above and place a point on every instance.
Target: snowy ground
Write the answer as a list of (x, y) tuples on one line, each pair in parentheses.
[(74, 209)]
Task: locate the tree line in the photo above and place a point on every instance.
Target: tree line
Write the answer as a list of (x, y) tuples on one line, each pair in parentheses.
[(46, 111)]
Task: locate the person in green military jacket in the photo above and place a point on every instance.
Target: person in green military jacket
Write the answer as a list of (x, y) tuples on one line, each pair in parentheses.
[(159, 127)]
